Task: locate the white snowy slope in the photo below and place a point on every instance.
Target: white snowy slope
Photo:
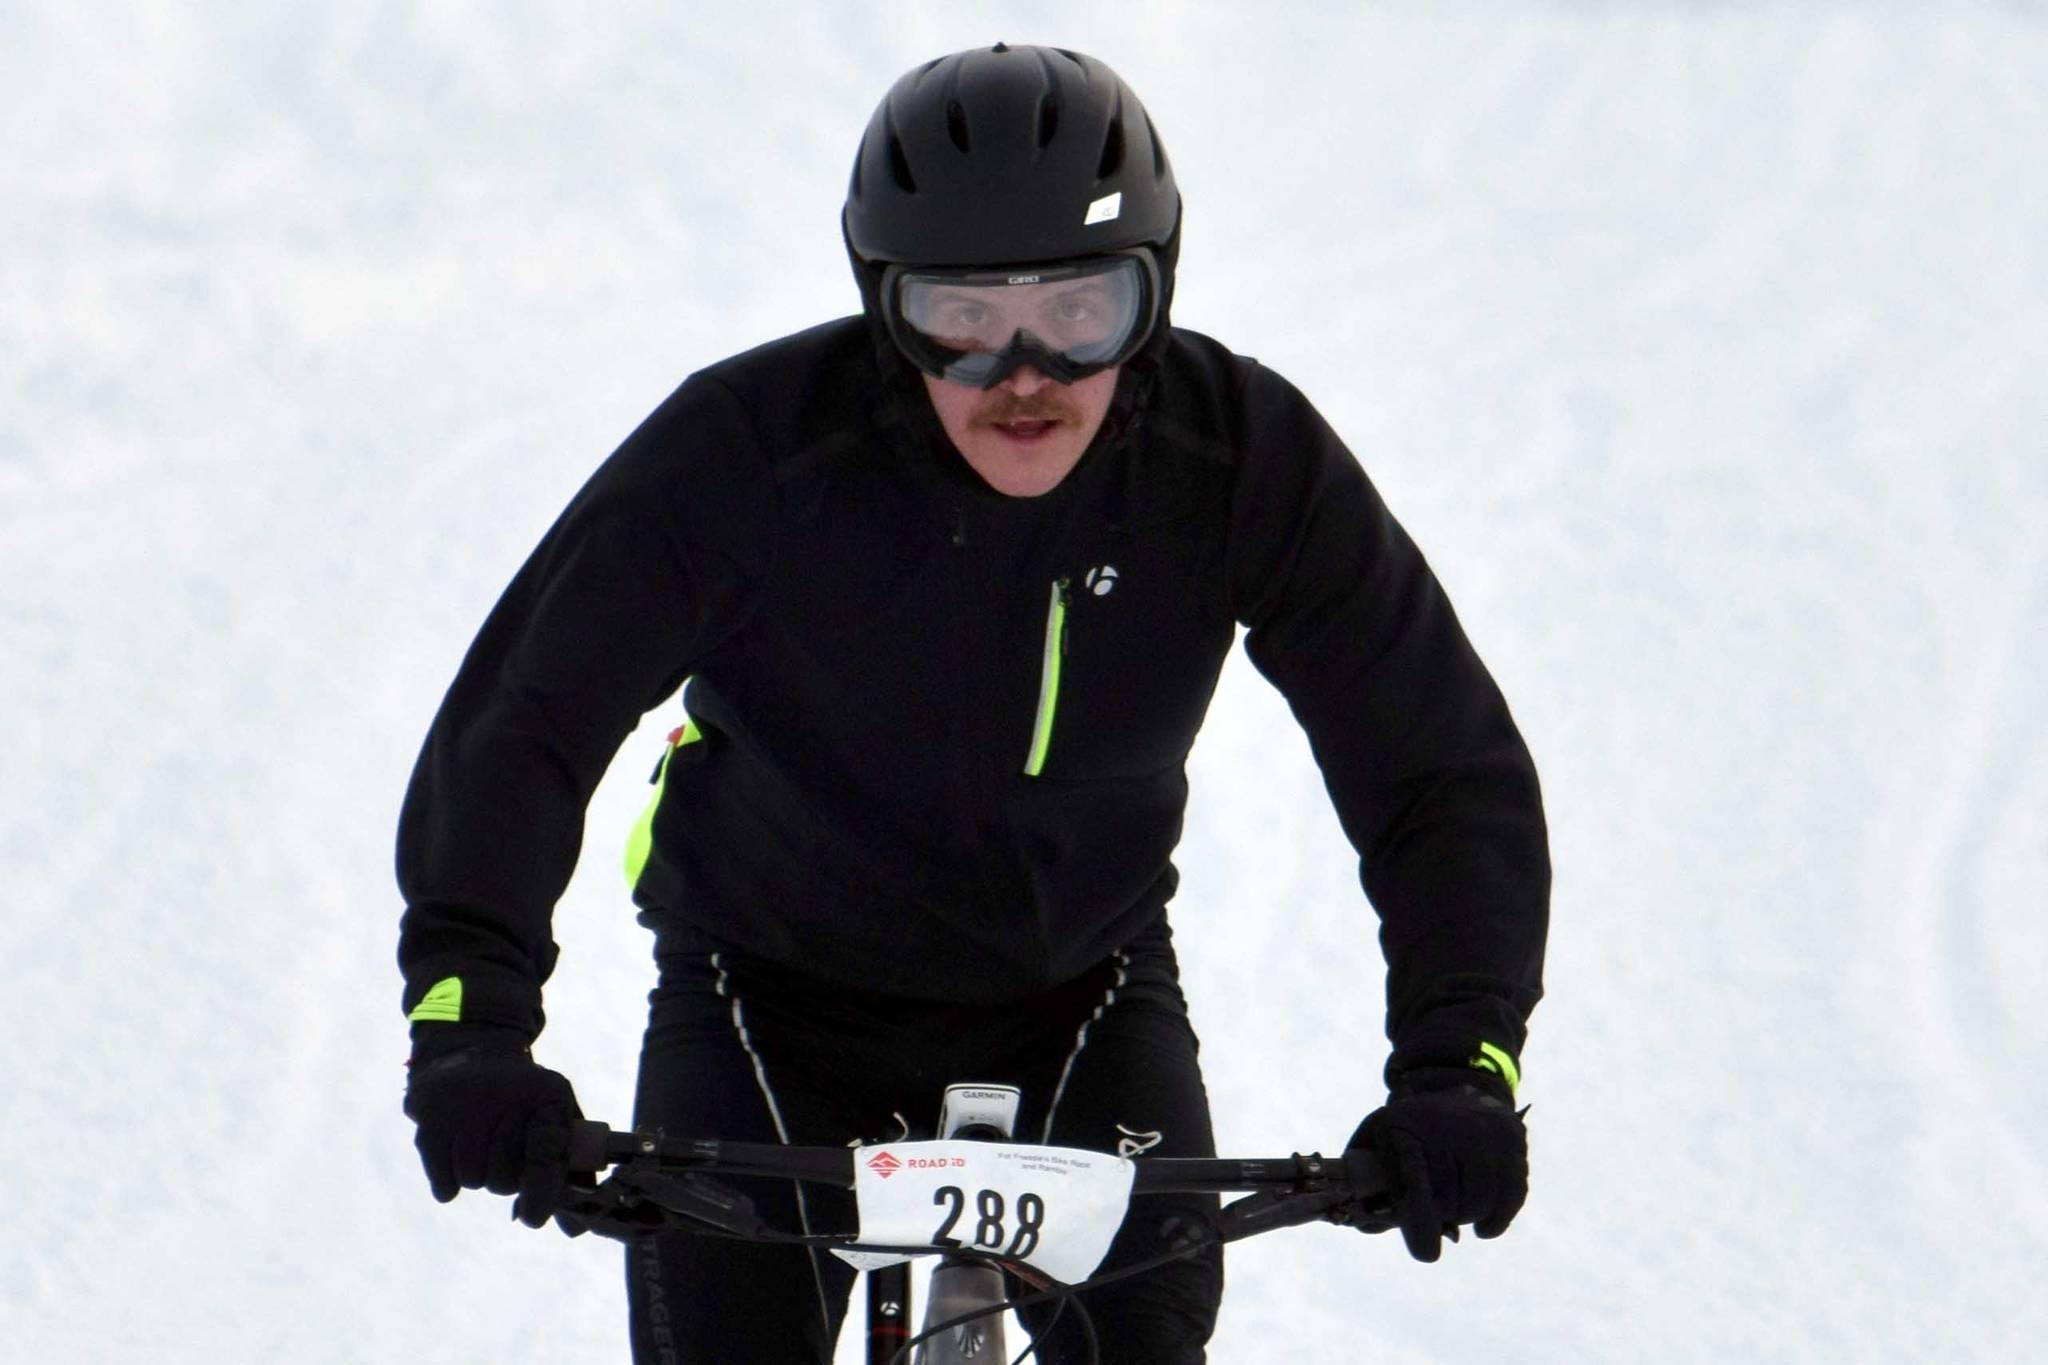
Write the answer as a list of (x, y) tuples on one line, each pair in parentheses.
[(1699, 345)]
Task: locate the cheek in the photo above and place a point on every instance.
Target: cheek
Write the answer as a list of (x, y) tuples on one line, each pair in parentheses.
[(1102, 391), (953, 403), (1092, 396)]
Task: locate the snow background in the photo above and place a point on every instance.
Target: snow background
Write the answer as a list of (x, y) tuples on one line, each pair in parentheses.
[(1699, 345)]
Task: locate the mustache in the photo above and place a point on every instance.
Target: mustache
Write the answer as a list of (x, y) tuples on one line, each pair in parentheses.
[(1042, 406)]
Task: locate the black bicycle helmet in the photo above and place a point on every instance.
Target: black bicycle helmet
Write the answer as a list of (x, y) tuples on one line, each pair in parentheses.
[(1005, 155)]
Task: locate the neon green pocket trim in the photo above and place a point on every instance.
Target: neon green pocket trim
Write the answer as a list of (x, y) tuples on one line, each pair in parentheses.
[(1497, 1061), (442, 1004), (640, 841)]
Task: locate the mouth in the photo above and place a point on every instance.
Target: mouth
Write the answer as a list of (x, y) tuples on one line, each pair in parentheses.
[(1026, 432)]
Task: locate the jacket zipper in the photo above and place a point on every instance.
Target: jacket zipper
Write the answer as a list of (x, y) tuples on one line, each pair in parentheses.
[(1049, 678)]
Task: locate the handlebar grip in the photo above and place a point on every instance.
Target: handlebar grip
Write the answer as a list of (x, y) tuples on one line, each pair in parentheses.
[(1371, 1205), (1367, 1174), (588, 1141)]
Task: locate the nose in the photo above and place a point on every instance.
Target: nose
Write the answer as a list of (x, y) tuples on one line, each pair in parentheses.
[(1023, 381)]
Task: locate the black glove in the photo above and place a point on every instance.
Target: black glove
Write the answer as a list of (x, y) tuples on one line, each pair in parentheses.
[(1456, 1152), (489, 1117)]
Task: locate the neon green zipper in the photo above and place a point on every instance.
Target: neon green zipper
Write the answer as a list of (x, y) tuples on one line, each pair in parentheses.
[(1049, 679)]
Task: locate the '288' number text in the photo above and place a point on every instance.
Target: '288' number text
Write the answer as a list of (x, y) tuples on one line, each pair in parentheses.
[(990, 1229)]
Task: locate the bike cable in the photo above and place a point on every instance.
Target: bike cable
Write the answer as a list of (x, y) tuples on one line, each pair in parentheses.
[(1065, 1295)]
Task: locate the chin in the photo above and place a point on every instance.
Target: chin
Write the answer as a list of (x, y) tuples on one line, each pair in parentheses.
[(1024, 477), (1025, 486)]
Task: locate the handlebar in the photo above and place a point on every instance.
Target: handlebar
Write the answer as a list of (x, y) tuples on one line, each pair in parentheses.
[(660, 1182)]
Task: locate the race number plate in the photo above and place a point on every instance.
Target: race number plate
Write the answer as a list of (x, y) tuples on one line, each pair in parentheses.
[(1053, 1208)]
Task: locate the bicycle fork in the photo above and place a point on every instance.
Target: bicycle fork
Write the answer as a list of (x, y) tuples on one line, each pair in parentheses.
[(888, 1313)]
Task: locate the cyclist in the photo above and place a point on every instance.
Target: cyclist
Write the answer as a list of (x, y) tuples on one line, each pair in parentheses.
[(950, 584)]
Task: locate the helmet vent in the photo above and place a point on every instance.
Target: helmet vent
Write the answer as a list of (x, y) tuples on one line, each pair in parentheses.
[(956, 125), (1048, 119), (1158, 150), (1112, 145), (899, 165)]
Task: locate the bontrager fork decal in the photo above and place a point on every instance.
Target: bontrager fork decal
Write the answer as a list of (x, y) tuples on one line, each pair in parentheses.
[(1049, 678)]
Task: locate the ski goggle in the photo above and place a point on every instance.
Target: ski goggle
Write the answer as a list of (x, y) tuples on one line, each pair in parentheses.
[(1068, 320)]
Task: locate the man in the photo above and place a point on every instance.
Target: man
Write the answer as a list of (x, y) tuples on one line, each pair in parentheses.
[(951, 584)]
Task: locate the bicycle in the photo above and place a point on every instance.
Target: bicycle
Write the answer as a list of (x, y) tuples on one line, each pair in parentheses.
[(1041, 1215)]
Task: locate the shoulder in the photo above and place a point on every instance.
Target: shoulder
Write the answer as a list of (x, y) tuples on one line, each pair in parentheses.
[(751, 416), (1221, 404), (799, 387), (1257, 447), (819, 352), (781, 390), (1197, 359)]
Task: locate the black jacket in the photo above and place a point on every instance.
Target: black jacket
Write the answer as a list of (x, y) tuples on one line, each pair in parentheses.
[(883, 785)]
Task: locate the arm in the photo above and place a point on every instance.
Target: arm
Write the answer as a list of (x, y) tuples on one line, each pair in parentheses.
[(1428, 774), (652, 565)]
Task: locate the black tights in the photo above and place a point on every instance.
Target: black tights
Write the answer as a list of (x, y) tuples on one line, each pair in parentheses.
[(743, 1050)]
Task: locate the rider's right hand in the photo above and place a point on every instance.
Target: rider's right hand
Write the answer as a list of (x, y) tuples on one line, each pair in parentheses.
[(489, 1117)]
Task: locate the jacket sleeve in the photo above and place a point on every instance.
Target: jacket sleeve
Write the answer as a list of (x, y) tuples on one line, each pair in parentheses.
[(651, 565), (1431, 781)]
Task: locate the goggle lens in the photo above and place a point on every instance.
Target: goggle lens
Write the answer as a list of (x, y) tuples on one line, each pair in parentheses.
[(975, 327)]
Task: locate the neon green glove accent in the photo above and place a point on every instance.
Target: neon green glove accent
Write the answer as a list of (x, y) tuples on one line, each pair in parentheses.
[(442, 1004), (1497, 1061)]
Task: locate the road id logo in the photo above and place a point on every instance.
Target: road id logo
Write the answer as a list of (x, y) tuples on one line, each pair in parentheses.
[(885, 1163)]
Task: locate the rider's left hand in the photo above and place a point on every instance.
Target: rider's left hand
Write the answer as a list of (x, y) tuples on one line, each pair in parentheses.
[(1456, 1152)]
